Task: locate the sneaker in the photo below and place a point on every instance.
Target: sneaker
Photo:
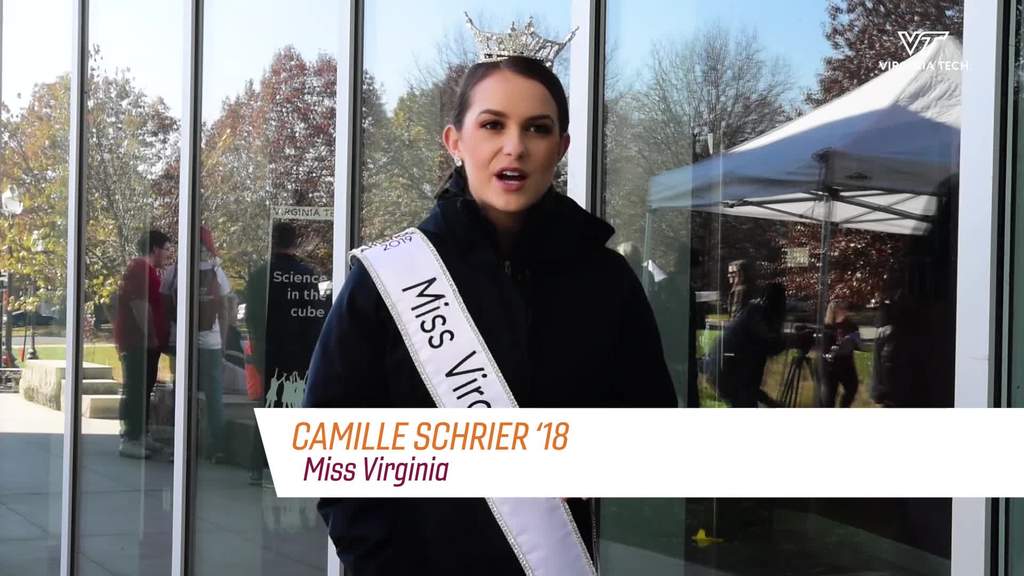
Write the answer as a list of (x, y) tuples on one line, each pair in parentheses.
[(133, 449), (152, 445)]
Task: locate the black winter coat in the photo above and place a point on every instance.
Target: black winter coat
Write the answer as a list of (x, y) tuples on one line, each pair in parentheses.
[(568, 325)]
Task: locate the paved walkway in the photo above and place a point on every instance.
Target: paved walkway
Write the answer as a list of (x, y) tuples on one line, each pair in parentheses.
[(126, 505), (23, 417)]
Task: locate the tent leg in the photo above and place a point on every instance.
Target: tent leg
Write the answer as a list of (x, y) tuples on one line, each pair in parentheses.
[(823, 293), (645, 277)]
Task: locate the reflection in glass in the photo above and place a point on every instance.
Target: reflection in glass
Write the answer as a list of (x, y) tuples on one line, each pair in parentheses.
[(263, 272), (1014, 534), (131, 141), (1013, 537), (789, 200), (33, 231)]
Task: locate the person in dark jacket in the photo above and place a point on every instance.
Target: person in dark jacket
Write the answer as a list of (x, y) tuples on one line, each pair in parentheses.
[(738, 358), (283, 330), (564, 316)]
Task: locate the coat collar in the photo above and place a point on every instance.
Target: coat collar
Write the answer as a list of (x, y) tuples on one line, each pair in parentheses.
[(556, 228)]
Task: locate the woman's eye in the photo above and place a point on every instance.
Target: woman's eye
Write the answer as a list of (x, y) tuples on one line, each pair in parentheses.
[(540, 129), (492, 125)]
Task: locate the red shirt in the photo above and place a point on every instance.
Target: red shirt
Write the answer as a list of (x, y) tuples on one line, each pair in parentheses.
[(141, 281)]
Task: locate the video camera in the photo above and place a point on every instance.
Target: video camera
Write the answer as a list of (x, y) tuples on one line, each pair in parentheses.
[(802, 338)]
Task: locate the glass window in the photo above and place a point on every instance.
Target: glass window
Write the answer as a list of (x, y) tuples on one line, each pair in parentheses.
[(1014, 535), (133, 110), (33, 234), (264, 268), (785, 185), (411, 73)]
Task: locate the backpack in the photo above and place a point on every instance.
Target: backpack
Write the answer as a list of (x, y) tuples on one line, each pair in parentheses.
[(209, 298)]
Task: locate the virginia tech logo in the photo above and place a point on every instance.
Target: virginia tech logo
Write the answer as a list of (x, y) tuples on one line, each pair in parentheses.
[(914, 42)]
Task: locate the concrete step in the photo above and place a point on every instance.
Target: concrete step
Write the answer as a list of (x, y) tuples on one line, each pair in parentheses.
[(103, 406), (92, 371), (96, 389), (42, 381), (98, 386), (239, 407)]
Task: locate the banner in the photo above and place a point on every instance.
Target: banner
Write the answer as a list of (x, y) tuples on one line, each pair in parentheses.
[(644, 452)]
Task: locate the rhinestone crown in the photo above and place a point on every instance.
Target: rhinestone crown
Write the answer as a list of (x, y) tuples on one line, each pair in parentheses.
[(494, 46)]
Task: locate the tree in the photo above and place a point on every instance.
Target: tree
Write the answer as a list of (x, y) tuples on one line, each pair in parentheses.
[(34, 162), (132, 156), (130, 174), (398, 161), (272, 145), (717, 82), (404, 159), (863, 33), (234, 190)]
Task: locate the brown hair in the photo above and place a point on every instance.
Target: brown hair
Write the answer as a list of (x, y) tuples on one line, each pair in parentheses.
[(527, 67)]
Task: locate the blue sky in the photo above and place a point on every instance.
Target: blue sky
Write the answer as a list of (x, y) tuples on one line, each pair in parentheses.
[(146, 37)]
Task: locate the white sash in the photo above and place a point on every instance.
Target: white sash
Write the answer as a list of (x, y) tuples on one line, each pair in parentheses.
[(459, 371)]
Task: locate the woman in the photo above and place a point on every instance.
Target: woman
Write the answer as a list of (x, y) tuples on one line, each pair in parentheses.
[(842, 339), (564, 317), (742, 286)]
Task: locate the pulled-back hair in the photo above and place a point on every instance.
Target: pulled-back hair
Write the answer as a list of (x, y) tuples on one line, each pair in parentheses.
[(526, 67)]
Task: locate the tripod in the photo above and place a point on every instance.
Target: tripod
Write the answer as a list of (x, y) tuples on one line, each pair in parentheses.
[(789, 391)]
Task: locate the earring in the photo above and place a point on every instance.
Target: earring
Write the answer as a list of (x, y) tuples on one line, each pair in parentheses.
[(458, 162)]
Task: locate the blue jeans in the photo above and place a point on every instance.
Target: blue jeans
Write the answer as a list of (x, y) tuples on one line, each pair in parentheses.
[(211, 382)]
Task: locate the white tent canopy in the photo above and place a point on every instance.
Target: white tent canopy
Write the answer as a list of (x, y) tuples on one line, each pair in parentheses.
[(879, 152)]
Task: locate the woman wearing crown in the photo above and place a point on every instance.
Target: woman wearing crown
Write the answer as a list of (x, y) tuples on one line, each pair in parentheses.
[(518, 276)]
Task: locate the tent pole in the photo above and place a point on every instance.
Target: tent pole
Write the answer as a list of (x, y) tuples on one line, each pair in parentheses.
[(644, 275), (823, 287)]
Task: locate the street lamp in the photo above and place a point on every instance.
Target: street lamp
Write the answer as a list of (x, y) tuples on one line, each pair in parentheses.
[(37, 247), (11, 206)]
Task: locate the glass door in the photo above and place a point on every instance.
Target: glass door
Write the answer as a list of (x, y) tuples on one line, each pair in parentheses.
[(785, 184)]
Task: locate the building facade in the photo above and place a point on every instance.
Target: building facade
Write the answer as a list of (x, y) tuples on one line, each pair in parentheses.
[(182, 181)]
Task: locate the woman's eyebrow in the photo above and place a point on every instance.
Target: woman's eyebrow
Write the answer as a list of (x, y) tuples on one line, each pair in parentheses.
[(497, 113), (500, 114)]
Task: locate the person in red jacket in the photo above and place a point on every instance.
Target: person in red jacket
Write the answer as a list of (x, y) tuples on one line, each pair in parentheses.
[(140, 333)]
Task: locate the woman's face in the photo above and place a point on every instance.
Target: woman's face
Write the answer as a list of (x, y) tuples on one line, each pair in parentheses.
[(735, 277), (509, 144)]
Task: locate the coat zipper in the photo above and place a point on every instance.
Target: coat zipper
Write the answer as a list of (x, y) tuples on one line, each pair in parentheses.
[(595, 537)]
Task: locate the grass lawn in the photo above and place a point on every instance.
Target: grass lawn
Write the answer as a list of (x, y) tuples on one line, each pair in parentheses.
[(20, 332), (102, 354), (774, 374)]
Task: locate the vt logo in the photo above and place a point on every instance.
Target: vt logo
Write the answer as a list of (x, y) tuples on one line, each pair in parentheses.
[(914, 42)]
